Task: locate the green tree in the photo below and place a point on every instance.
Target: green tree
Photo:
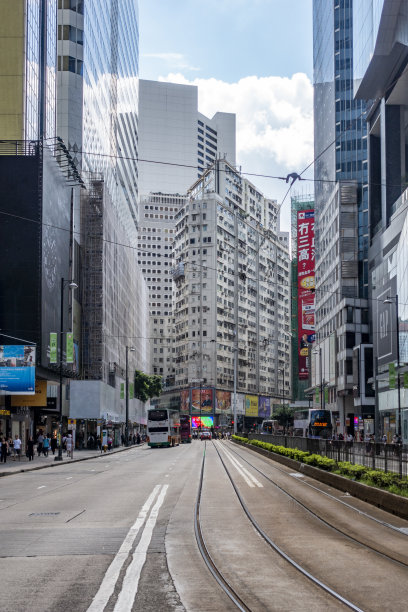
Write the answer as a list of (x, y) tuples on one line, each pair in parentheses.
[(147, 386), (284, 416)]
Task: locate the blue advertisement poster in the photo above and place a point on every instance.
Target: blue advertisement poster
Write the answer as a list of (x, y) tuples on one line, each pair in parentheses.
[(17, 369), (264, 409)]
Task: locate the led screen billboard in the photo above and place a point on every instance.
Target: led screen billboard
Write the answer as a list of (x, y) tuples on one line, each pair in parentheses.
[(202, 422)]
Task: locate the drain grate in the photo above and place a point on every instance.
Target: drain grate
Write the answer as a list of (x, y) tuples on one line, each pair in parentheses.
[(44, 513)]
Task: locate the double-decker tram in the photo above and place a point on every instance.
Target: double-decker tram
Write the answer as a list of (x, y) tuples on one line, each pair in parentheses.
[(163, 427), (185, 428), (269, 426), (313, 423)]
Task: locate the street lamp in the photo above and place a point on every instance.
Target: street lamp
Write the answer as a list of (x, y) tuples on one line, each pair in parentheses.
[(132, 349), (394, 300), (235, 349), (72, 285)]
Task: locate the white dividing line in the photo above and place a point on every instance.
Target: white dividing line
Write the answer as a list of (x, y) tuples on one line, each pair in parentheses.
[(249, 478), (131, 581), (109, 581), (42, 487), (69, 478)]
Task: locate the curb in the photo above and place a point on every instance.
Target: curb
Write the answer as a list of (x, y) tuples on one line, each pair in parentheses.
[(60, 463), (385, 500)]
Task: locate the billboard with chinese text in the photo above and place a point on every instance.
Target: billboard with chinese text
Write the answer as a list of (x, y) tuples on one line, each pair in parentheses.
[(306, 287)]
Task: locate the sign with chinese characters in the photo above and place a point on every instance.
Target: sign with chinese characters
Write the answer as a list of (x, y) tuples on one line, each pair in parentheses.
[(306, 287)]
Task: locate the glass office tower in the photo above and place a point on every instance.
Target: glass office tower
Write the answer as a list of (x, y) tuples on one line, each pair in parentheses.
[(341, 207)]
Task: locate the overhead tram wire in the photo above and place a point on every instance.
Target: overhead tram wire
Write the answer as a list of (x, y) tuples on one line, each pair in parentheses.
[(136, 248)]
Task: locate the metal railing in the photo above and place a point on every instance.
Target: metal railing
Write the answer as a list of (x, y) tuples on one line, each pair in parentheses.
[(24, 148), (375, 455)]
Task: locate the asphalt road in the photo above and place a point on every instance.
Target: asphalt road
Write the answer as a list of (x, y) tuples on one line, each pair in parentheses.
[(116, 533)]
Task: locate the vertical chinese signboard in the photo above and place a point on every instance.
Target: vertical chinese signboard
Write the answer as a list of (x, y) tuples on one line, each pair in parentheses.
[(306, 286)]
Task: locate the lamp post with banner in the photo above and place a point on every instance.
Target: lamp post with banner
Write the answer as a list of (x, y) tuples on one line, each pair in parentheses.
[(72, 285), (132, 349)]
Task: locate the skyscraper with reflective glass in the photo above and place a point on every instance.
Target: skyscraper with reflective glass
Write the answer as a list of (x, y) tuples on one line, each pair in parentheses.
[(341, 212), (28, 38)]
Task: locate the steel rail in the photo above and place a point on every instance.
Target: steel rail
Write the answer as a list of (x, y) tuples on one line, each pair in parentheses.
[(339, 501), (221, 580), (277, 549)]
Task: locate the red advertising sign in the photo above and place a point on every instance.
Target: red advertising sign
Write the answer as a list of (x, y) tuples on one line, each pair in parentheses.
[(306, 286)]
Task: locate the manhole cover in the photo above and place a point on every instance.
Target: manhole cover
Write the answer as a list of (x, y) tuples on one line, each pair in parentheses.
[(44, 513)]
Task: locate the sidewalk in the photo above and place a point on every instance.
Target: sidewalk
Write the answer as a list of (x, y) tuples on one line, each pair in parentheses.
[(39, 463)]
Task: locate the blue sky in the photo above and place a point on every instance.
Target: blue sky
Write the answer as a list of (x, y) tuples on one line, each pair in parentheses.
[(251, 57)]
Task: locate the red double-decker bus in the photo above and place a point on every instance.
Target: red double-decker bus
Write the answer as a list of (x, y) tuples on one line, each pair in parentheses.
[(185, 428)]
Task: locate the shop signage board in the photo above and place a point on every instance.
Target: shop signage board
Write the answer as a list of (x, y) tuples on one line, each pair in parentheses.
[(38, 400)]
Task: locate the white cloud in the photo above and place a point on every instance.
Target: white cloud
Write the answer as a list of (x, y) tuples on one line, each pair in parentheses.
[(177, 61), (274, 123)]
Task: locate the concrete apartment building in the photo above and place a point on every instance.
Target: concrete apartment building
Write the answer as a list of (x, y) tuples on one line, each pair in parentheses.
[(176, 144), (232, 282)]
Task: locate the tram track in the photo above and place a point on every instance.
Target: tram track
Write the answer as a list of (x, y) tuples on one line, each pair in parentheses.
[(216, 571), (339, 501), (324, 521)]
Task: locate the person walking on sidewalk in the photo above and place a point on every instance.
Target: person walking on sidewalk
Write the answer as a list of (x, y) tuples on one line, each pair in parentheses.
[(30, 449), (53, 444), (46, 445), (40, 441), (3, 450), (69, 445), (17, 447)]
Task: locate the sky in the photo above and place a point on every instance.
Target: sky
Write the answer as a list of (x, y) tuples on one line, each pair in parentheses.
[(249, 57)]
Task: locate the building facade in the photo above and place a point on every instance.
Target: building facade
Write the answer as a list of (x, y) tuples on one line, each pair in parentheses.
[(381, 59), (98, 56), (231, 298), (341, 214), (176, 143)]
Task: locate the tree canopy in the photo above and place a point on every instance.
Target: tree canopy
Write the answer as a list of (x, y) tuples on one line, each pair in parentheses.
[(147, 386)]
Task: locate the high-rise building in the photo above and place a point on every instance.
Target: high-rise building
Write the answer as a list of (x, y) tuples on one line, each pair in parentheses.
[(231, 297), (176, 143), (28, 32), (380, 69), (97, 120), (341, 212)]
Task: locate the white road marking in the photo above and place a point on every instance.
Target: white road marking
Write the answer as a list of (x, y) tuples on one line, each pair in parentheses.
[(109, 581), (249, 478), (131, 581), (297, 475), (166, 475), (42, 487), (69, 478)]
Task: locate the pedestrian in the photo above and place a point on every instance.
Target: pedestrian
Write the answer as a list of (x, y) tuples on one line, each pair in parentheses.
[(53, 444), (68, 444), (99, 443), (46, 445), (17, 447), (40, 441), (109, 443), (123, 439), (30, 449), (3, 450), (138, 438), (384, 439), (64, 442)]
